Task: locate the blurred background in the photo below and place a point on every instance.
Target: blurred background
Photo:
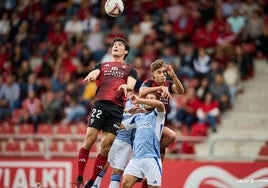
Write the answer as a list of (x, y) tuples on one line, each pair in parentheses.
[(218, 49)]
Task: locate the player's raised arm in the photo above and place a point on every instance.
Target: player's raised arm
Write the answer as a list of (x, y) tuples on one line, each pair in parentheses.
[(177, 87), (153, 102)]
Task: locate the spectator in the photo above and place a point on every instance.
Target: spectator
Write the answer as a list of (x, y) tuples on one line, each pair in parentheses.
[(221, 92), (183, 26), (202, 63), (174, 10), (9, 97), (187, 61), (205, 37), (4, 27), (244, 62), (52, 107), (95, 42), (262, 43), (208, 111), (74, 28), (89, 22), (253, 28), (186, 112), (75, 112), (202, 88), (85, 62), (32, 110), (135, 38), (232, 77), (146, 24), (237, 22)]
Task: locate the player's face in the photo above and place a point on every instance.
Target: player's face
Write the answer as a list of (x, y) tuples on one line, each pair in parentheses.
[(147, 107), (160, 75), (119, 50)]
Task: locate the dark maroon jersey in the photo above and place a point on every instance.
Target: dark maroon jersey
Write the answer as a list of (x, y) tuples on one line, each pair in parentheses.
[(112, 75), (168, 83)]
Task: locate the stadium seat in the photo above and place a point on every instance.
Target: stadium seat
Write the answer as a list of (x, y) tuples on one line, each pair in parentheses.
[(45, 129), (32, 146), (16, 115), (7, 128), (63, 129), (25, 129), (54, 147), (69, 146), (80, 128), (12, 146)]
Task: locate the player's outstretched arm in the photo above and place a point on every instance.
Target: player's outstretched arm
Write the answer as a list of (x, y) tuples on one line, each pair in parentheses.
[(92, 76), (150, 102)]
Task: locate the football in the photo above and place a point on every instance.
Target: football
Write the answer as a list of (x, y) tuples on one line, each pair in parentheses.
[(114, 8)]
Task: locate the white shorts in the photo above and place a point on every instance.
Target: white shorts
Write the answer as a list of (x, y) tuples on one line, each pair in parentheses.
[(119, 154), (149, 168)]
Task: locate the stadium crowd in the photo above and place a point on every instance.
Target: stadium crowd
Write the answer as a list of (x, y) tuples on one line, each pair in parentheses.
[(48, 47)]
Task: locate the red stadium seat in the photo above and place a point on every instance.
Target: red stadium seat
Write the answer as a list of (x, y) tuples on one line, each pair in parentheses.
[(45, 129), (12, 146), (7, 128), (80, 128), (26, 129), (63, 129), (16, 115), (54, 147), (32, 146), (69, 146)]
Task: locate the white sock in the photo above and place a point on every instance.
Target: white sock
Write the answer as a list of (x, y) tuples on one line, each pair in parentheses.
[(98, 180), (115, 181)]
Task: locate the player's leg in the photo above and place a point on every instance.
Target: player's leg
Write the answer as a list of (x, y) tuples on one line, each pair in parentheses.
[(116, 178), (118, 158), (101, 160), (168, 136), (129, 181), (152, 170), (99, 178), (89, 140)]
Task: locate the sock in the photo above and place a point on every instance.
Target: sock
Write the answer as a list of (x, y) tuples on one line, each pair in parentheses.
[(98, 166), (82, 160), (115, 181), (98, 180), (144, 184)]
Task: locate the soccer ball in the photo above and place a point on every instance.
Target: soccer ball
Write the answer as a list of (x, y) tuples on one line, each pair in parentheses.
[(114, 8)]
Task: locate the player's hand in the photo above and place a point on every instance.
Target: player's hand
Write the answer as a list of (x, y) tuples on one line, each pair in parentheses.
[(123, 87), (170, 71), (89, 78), (136, 109), (164, 92), (134, 99)]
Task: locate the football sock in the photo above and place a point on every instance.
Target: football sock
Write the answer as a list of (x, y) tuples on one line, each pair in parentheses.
[(98, 180), (82, 160), (98, 166), (115, 181), (144, 184)]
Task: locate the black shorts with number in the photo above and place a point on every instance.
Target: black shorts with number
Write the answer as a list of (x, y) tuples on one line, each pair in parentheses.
[(106, 116)]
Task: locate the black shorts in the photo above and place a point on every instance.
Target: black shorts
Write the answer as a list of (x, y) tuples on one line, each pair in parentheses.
[(106, 116)]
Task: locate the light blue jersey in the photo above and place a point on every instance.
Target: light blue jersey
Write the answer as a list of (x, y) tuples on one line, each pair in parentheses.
[(126, 135), (148, 133)]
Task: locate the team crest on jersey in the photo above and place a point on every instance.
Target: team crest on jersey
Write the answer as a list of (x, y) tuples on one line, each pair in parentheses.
[(107, 65), (124, 66), (114, 68)]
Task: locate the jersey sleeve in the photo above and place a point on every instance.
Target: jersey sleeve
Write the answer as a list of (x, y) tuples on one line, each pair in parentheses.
[(147, 83), (97, 66), (133, 73), (130, 123)]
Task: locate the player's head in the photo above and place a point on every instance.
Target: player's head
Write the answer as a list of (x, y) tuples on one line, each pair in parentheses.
[(151, 95), (120, 47), (158, 71)]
